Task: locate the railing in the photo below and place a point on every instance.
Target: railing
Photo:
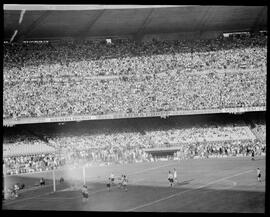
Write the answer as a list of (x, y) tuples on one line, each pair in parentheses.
[(164, 114), (221, 109)]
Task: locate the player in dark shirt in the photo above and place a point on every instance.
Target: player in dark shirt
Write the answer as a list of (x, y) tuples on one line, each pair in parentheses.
[(259, 175), (42, 182), (112, 178), (109, 184), (61, 180), (252, 155), (84, 193)]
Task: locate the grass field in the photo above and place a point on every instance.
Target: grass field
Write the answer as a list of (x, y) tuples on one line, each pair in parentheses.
[(204, 185)]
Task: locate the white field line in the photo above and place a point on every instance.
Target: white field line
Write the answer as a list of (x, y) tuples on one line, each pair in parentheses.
[(182, 192), (233, 182), (104, 189), (94, 192), (68, 198), (230, 184), (144, 170)]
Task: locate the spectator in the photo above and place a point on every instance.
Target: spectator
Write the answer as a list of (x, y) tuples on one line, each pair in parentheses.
[(91, 77)]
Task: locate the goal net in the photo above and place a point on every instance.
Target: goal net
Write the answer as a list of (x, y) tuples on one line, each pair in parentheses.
[(27, 184), (69, 179)]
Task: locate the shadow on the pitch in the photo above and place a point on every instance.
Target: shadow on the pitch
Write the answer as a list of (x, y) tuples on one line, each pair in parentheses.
[(185, 199), (185, 182)]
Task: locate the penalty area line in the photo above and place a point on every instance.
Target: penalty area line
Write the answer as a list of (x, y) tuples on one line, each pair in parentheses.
[(98, 191), (182, 192)]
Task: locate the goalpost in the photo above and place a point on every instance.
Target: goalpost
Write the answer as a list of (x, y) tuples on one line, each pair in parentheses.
[(73, 178), (84, 182), (65, 179), (54, 186)]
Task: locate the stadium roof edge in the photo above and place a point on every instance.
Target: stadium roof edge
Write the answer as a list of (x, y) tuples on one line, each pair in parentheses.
[(84, 7), (47, 22)]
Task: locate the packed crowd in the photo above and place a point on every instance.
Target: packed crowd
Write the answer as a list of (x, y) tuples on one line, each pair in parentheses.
[(21, 142), (176, 136), (221, 149), (30, 163), (260, 130), (26, 148), (113, 147), (88, 77), (136, 95), (125, 57), (104, 146), (122, 155)]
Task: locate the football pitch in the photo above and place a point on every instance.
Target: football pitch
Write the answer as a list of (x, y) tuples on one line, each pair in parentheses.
[(204, 185)]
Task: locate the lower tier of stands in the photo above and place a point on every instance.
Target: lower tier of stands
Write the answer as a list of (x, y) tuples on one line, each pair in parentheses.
[(181, 139), (19, 149)]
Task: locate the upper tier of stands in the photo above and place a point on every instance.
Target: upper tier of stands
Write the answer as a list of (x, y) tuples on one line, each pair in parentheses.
[(92, 77), (125, 57)]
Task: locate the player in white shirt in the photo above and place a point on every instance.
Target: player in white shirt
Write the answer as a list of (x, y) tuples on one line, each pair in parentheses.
[(121, 180), (259, 174), (170, 178), (112, 178), (125, 181), (16, 190)]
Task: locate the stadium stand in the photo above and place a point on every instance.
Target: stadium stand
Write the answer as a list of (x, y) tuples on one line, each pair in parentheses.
[(122, 142), (260, 130), (26, 148), (30, 163), (92, 77)]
